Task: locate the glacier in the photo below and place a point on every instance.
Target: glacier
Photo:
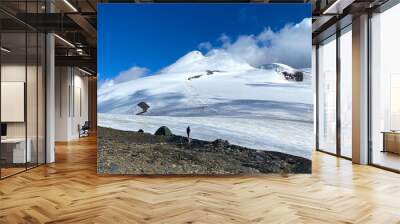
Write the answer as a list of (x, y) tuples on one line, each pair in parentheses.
[(218, 96)]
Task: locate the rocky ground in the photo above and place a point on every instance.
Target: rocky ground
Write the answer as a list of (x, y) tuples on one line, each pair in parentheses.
[(127, 152)]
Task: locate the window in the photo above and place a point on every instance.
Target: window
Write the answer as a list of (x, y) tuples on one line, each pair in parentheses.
[(327, 95), (346, 92), (385, 89)]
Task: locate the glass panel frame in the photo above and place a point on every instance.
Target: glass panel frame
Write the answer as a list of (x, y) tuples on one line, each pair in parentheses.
[(345, 59), (32, 98), (327, 95), (335, 139), (26, 56), (13, 76)]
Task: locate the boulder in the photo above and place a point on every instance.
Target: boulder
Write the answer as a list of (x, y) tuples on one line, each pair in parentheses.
[(144, 106), (163, 130), (220, 143)]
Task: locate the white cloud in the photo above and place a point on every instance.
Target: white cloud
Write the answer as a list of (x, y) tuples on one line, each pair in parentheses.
[(290, 45), (105, 83), (205, 45), (225, 40), (131, 74)]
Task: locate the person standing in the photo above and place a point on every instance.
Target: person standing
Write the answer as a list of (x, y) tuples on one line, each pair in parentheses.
[(188, 134)]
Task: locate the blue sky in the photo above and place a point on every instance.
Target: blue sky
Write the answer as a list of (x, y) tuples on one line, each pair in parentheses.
[(153, 36)]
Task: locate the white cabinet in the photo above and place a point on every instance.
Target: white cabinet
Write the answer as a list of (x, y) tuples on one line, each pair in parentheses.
[(19, 155)]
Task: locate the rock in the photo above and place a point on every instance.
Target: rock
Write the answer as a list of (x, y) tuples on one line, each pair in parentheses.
[(220, 143), (144, 106), (258, 157), (291, 161), (163, 130)]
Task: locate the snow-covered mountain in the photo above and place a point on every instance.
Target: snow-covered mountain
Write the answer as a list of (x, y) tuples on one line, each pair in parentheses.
[(219, 97), (195, 61), (197, 81)]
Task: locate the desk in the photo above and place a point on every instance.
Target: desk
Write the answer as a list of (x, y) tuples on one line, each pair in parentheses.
[(391, 141), (17, 152)]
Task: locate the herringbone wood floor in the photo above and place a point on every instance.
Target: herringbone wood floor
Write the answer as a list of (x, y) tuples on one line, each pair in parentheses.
[(70, 191)]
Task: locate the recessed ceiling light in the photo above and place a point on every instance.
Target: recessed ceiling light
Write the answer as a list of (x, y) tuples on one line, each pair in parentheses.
[(5, 50), (64, 40), (84, 71), (70, 5)]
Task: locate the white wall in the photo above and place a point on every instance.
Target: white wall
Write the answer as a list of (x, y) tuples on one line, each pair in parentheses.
[(71, 102), (14, 73), (62, 82), (33, 126), (81, 89), (17, 73)]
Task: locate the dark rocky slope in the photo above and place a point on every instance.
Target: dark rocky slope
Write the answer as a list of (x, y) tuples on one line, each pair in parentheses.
[(127, 152)]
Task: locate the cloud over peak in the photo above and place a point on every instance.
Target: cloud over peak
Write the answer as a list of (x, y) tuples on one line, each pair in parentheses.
[(133, 73), (290, 45)]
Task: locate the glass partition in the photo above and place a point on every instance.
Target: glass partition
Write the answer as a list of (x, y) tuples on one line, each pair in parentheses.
[(327, 95), (335, 94), (41, 110), (31, 100), (22, 88), (346, 92), (14, 153)]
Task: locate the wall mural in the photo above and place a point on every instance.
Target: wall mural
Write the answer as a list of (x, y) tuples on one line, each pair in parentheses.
[(213, 89)]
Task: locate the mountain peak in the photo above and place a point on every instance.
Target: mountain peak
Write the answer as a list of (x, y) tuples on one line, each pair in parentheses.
[(195, 61), (192, 56), (195, 53)]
